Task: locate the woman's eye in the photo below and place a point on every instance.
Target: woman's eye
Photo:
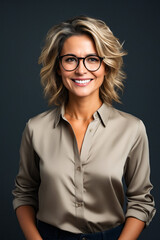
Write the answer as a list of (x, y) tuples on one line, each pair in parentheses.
[(92, 59), (70, 59)]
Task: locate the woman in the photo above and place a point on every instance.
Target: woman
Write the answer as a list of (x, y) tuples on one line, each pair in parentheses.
[(73, 158)]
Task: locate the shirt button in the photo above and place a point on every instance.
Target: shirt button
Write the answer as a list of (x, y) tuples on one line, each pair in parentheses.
[(90, 130), (79, 204), (84, 190), (78, 168)]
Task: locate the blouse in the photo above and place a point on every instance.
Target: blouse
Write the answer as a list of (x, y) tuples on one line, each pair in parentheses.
[(84, 192)]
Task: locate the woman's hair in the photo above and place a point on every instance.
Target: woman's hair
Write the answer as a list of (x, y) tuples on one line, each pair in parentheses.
[(107, 46)]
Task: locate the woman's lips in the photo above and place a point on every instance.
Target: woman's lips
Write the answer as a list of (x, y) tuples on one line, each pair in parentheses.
[(82, 82)]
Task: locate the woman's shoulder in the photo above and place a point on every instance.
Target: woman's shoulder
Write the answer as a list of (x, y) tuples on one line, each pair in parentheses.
[(125, 116), (46, 118), (127, 120)]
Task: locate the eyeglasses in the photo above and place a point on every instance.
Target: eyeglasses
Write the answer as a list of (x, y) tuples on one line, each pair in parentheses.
[(70, 62)]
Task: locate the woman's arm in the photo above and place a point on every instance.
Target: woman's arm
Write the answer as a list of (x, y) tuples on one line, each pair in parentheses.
[(140, 202), (132, 229), (26, 187), (27, 221)]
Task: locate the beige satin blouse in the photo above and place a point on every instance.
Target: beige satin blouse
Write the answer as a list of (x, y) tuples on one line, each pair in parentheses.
[(84, 192)]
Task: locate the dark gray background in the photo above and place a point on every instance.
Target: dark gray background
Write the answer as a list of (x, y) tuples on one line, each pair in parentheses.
[(24, 25)]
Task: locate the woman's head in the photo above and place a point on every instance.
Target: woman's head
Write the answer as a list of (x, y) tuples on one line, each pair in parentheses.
[(107, 46)]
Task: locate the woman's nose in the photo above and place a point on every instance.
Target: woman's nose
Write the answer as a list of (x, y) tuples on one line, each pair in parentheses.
[(81, 68)]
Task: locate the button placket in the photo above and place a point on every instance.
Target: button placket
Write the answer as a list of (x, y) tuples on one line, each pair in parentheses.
[(78, 188), (79, 171), (87, 142), (79, 185)]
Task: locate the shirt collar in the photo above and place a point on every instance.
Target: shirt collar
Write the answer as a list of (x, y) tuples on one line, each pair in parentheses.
[(103, 113)]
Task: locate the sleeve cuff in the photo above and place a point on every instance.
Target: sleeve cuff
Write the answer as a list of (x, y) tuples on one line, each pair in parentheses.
[(141, 215), (27, 202)]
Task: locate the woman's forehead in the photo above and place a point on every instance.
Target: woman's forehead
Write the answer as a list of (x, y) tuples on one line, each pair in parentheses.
[(79, 45)]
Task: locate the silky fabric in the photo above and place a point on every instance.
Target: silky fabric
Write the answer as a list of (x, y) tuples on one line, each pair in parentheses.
[(83, 192), (49, 232)]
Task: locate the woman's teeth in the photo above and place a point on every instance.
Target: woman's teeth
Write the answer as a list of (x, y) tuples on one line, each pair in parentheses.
[(82, 81)]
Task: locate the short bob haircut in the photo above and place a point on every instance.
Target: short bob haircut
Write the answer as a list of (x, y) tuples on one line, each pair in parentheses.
[(107, 46)]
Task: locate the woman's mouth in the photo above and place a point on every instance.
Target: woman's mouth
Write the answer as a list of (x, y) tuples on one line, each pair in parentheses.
[(82, 82)]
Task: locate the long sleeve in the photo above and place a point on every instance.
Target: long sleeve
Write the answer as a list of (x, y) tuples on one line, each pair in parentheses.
[(137, 177), (28, 179)]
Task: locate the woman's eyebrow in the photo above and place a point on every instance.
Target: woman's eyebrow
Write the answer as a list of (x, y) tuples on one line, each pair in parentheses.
[(89, 54)]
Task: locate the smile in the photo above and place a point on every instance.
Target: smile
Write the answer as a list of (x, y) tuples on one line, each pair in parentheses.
[(82, 82)]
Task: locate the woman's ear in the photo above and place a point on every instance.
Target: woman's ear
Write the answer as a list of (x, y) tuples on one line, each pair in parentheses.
[(59, 71), (106, 70)]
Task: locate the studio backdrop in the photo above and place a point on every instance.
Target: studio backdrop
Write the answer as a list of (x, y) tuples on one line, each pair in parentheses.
[(24, 25)]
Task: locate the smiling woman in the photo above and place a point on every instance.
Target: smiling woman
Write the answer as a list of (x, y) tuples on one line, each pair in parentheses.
[(74, 157)]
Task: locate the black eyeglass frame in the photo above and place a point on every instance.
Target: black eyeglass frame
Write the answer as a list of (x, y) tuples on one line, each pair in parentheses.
[(79, 58)]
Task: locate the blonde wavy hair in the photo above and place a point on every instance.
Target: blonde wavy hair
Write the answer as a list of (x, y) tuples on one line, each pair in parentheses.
[(107, 46)]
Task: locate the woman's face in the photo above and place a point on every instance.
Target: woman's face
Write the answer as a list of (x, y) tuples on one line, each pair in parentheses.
[(81, 82)]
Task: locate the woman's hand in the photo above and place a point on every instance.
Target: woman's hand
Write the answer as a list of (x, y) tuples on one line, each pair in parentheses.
[(27, 221)]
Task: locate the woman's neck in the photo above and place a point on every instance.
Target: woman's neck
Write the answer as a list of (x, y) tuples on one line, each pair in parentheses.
[(82, 108)]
